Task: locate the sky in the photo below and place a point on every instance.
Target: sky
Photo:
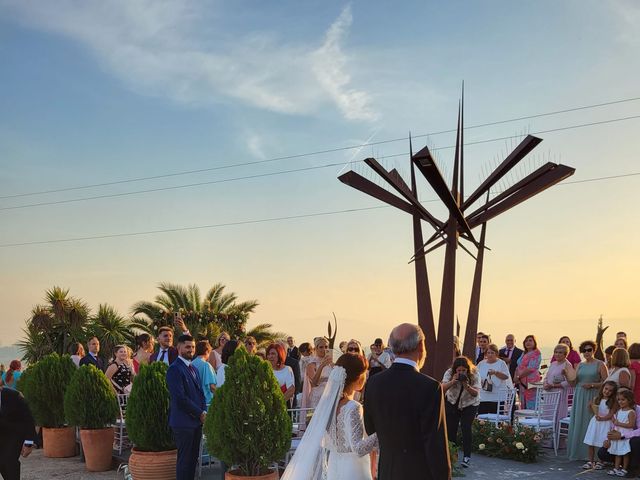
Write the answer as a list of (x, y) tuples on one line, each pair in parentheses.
[(96, 92)]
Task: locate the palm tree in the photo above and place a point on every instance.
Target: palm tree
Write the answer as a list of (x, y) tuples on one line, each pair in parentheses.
[(264, 335), (52, 327), (217, 307), (111, 328)]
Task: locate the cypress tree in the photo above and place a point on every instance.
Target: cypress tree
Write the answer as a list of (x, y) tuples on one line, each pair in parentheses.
[(148, 410), (248, 424), (90, 402), (44, 387)]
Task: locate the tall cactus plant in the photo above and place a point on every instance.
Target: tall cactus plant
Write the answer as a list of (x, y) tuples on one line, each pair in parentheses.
[(599, 340)]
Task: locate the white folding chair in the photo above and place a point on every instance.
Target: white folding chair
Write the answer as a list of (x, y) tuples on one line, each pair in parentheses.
[(504, 406), (528, 412), (121, 439), (205, 459), (299, 419), (545, 415)]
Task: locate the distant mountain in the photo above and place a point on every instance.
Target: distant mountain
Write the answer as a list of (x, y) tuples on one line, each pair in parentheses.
[(9, 353)]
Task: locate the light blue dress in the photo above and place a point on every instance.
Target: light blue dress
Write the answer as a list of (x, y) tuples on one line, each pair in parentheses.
[(14, 381), (207, 377)]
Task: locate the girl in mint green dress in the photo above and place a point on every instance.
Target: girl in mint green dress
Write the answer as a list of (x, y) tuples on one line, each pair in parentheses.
[(589, 376)]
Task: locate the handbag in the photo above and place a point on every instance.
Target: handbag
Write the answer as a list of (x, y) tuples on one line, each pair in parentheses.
[(487, 384)]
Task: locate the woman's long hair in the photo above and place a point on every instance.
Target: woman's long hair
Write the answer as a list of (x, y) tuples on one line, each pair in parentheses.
[(612, 399), (463, 361), (14, 366)]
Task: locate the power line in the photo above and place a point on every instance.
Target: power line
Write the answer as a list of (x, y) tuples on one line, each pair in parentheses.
[(262, 220), (295, 170), (318, 152)]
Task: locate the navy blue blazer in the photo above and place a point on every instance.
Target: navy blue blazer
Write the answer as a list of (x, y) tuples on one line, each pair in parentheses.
[(89, 360), (187, 398)]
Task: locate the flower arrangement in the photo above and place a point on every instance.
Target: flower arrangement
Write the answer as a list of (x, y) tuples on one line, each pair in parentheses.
[(514, 442)]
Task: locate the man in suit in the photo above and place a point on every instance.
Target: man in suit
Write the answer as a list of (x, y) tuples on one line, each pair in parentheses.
[(294, 364), (483, 342), (406, 409), (510, 354), (92, 358), (187, 409), (292, 350), (166, 352), (17, 432)]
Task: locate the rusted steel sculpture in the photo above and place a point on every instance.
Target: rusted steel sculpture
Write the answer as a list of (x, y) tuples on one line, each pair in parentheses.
[(458, 226)]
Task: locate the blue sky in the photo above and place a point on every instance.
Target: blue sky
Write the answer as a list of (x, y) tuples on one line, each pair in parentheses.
[(102, 91)]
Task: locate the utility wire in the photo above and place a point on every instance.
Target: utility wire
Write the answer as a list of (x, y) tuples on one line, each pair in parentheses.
[(295, 170), (262, 220), (318, 152)]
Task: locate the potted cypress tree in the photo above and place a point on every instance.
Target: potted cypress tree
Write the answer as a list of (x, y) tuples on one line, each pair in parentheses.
[(248, 424), (153, 456), (44, 387), (90, 403)]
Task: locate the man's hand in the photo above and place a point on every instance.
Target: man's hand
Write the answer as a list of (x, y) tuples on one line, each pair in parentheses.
[(614, 435), (203, 417), (179, 322), (26, 450)]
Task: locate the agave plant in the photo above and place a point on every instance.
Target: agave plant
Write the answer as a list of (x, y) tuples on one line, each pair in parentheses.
[(198, 312)]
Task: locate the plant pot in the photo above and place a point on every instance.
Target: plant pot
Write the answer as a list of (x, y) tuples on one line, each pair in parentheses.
[(153, 465), (234, 476), (97, 446), (59, 442)]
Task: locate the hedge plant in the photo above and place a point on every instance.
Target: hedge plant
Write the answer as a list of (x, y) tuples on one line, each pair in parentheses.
[(248, 424), (148, 410), (44, 387), (90, 402)]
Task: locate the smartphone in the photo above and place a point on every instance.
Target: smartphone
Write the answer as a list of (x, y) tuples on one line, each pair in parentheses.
[(176, 317)]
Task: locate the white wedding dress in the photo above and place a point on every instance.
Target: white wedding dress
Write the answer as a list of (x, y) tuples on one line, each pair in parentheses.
[(334, 446), (348, 446)]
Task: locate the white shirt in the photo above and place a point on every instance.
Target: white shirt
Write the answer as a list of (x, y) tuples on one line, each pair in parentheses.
[(406, 361), (220, 374), (166, 356), (483, 372), (285, 377)]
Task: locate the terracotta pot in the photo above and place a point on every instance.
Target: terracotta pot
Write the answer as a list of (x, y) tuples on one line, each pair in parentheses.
[(153, 465), (234, 476), (59, 442), (97, 446)]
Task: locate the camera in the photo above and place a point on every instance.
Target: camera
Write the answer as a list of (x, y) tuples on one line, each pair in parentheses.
[(462, 377)]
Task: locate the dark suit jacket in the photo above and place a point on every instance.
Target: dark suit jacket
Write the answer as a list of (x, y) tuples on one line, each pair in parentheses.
[(172, 352), (515, 355), (406, 409), (16, 423), (187, 398), (293, 353), (89, 360), (295, 366)]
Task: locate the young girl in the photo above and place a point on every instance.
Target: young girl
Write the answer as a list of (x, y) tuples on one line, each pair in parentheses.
[(624, 421), (603, 407)]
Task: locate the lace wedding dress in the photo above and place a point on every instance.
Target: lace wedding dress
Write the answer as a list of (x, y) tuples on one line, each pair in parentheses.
[(348, 446), (334, 446)]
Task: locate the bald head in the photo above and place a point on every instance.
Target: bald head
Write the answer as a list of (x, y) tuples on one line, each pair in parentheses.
[(407, 341)]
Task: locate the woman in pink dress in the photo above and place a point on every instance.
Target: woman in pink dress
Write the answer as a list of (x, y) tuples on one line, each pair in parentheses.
[(559, 374), (528, 372)]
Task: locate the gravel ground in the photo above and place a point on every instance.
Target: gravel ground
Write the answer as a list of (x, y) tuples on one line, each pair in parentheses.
[(36, 467)]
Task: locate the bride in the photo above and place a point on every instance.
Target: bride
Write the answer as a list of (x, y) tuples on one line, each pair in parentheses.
[(334, 446)]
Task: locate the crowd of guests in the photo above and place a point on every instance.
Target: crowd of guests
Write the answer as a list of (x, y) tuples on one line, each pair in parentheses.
[(601, 397)]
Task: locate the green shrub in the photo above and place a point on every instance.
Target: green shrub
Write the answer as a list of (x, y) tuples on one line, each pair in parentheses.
[(248, 424), (148, 410), (44, 387), (90, 402)]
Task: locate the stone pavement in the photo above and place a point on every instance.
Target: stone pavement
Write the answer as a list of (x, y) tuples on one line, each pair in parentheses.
[(36, 467)]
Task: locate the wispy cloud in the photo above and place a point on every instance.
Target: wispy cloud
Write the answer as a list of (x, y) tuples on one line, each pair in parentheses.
[(169, 48), (330, 67)]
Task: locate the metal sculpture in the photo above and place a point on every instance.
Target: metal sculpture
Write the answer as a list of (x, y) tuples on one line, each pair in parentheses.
[(457, 227)]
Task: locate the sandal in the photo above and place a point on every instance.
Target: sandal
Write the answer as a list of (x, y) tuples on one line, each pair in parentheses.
[(598, 466), (622, 472), (588, 466)]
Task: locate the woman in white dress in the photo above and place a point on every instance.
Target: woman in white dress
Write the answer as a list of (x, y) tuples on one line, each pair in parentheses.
[(336, 428), (494, 379), (317, 373), (619, 371)]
